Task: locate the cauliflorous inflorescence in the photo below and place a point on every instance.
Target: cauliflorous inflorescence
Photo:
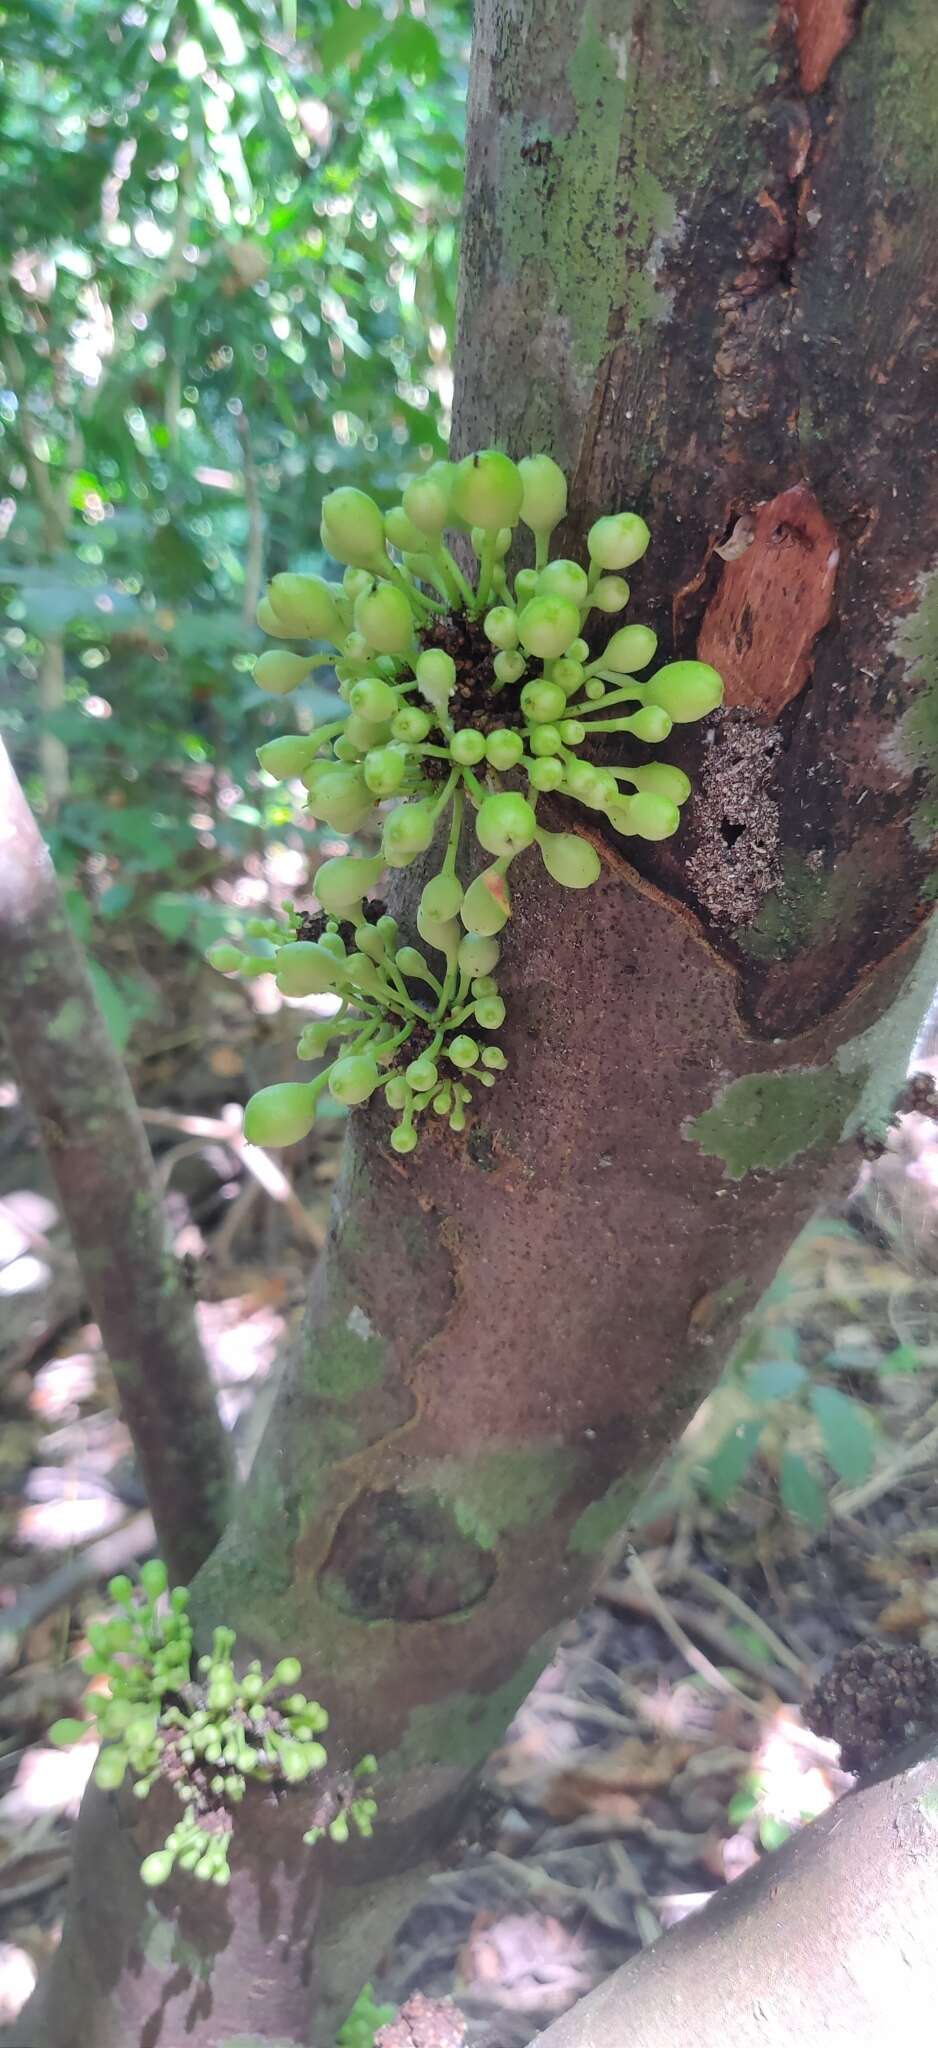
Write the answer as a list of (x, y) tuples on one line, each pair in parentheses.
[(207, 1732), (460, 697)]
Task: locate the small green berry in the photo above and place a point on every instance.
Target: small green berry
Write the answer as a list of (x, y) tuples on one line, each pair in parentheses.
[(486, 906), (373, 700), (352, 527), (408, 831), (545, 493), (154, 1578), (545, 740), (686, 690), (546, 774), (281, 1114), (547, 625), (504, 748), (156, 1869), (650, 724), (569, 860), (543, 702), (288, 755), (492, 1056), (305, 968), (490, 1012), (342, 882), (610, 594), (506, 823), (307, 606), (664, 780), (403, 1139), (564, 579), (287, 1672), (385, 619), (477, 955), (384, 769), (442, 897), (509, 666), (632, 648), (225, 958), (279, 673), (422, 1074), (618, 540), (411, 725), (402, 533), (427, 498), (572, 732), (463, 1050), (467, 747), (501, 626), (354, 1078)]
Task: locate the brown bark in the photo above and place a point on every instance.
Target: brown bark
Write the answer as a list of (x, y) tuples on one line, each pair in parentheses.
[(504, 1334), (830, 1939), (77, 1087)]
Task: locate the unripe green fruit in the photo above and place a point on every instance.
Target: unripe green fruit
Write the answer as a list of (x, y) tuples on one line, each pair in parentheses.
[(544, 499), (225, 959), (402, 533), (410, 962), (308, 606), (288, 755), (156, 1869), (664, 780), (355, 649), (354, 1078), (504, 748), (345, 880), (280, 1115), (509, 665), (373, 700), (651, 816), (427, 498), (154, 1578), (572, 732), (362, 974), (269, 622), (294, 1762), (618, 540), (384, 769), (407, 832), (422, 1074), (651, 724), (484, 985), (345, 749), (493, 1056), (569, 860), (441, 933), (629, 649), (545, 740), (546, 774), (342, 798), (467, 747), (306, 968), (569, 674), (441, 898), (506, 823), (581, 782), (355, 582), (332, 942), (606, 789), (486, 906), (411, 725), (279, 673), (477, 955), (543, 702), (547, 625), (403, 1139), (360, 735), (525, 586), (611, 594), (463, 1050), (352, 527), (396, 1092), (385, 619), (487, 490), (561, 578), (686, 690), (111, 1768), (490, 1012), (314, 1041), (500, 626)]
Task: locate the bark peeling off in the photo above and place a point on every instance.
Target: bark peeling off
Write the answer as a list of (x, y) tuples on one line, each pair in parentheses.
[(760, 627), (823, 28)]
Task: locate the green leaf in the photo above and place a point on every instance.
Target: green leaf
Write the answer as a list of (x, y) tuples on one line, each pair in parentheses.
[(800, 1491), (117, 1014), (773, 1832), (775, 1379), (742, 1806), (349, 29), (905, 1358), (62, 1733), (732, 1459), (847, 1431)]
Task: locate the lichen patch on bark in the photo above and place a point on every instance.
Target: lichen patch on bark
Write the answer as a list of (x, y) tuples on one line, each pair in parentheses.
[(735, 862)]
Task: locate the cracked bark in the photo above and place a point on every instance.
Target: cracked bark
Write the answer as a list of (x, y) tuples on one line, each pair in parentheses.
[(660, 226)]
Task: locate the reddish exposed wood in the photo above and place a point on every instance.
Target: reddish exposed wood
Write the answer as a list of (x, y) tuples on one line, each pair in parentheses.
[(772, 602), (823, 28)]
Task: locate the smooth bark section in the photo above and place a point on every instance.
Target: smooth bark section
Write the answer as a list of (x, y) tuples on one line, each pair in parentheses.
[(830, 1939), (77, 1087)]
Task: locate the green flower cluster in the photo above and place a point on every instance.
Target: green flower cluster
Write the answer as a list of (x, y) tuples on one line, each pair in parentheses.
[(452, 685), (202, 1728), (364, 2019)]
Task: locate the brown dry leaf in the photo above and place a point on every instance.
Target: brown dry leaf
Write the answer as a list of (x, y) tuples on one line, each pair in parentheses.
[(906, 1615), (525, 1962), (224, 1059), (613, 1784)]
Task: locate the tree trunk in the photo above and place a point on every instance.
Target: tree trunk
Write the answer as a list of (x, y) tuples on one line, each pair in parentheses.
[(667, 202), (77, 1086), (830, 1939)]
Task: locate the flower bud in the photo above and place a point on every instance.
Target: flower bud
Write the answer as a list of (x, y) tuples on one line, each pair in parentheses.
[(408, 831), (477, 955), (610, 594), (651, 724), (629, 649), (505, 824), (156, 1869), (618, 540), (547, 625), (352, 527), (569, 674), (545, 740), (486, 906), (279, 673), (269, 622), (509, 665), (427, 498), (422, 1074), (280, 1115), (306, 968), (487, 490), (545, 493), (411, 725), (403, 1139), (664, 780), (572, 732), (402, 533), (372, 700), (546, 774), (154, 1578), (490, 1012), (467, 747), (646, 816), (307, 605), (686, 690), (384, 769), (436, 677), (396, 1092), (463, 1050)]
